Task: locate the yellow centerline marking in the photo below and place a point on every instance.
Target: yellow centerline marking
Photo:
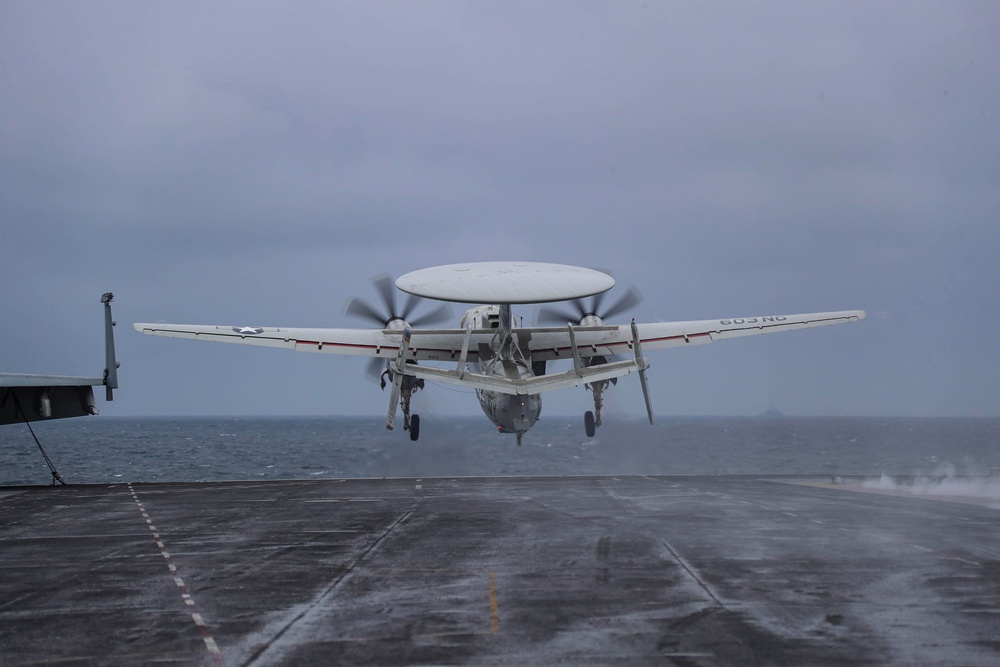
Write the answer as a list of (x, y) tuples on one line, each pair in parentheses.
[(494, 608)]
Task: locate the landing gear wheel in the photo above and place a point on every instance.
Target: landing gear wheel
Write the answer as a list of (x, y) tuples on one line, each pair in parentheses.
[(588, 423), (414, 427)]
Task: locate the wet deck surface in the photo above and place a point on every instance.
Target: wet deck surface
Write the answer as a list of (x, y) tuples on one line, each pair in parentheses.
[(499, 571)]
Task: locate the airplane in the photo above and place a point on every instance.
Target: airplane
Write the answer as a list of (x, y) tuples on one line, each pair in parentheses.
[(505, 363), (28, 398)]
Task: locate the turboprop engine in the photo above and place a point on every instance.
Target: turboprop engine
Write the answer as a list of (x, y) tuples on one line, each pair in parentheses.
[(591, 316), (393, 319)]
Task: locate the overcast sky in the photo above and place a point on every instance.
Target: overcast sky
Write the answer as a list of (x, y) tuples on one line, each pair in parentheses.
[(254, 163)]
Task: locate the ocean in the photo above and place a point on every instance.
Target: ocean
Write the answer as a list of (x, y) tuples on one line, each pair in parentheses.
[(102, 450)]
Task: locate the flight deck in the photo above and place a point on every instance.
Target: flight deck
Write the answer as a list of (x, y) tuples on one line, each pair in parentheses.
[(634, 570)]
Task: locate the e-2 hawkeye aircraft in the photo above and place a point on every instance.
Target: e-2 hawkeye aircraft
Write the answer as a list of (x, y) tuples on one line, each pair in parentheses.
[(506, 364)]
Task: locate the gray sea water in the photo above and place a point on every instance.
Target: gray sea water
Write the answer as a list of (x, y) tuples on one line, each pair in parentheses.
[(116, 449)]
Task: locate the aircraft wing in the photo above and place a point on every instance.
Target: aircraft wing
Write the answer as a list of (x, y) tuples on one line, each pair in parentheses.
[(435, 344), (544, 343), (553, 343), (578, 343)]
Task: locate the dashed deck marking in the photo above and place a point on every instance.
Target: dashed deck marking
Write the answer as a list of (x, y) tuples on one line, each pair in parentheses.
[(199, 622)]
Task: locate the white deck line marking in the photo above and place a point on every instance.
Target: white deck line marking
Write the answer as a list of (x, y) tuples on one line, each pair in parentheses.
[(196, 617)]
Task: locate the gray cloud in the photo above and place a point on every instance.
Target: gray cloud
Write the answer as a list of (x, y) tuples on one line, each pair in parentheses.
[(255, 163)]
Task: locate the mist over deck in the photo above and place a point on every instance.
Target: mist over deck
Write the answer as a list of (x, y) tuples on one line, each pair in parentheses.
[(686, 570)]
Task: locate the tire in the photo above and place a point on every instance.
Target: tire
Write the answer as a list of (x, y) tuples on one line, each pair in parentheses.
[(588, 423), (414, 427)]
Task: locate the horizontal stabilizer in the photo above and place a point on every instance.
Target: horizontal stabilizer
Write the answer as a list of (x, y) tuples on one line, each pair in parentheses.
[(533, 385)]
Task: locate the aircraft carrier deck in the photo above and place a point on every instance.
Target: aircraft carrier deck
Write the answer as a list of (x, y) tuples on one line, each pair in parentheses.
[(498, 571)]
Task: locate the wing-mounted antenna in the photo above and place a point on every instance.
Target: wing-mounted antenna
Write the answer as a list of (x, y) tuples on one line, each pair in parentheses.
[(110, 361)]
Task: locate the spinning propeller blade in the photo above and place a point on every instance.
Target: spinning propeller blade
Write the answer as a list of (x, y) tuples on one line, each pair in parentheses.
[(360, 309), (440, 314), (629, 300), (386, 289), (559, 316), (556, 316), (387, 313), (374, 368)]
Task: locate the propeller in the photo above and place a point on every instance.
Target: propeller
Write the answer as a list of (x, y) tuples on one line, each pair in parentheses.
[(558, 316), (389, 317), (386, 289)]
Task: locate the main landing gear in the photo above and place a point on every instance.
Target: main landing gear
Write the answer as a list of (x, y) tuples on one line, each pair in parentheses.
[(410, 423), (408, 385), (591, 420)]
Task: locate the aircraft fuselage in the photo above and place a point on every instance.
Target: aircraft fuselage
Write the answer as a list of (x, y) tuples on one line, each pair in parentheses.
[(511, 413)]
